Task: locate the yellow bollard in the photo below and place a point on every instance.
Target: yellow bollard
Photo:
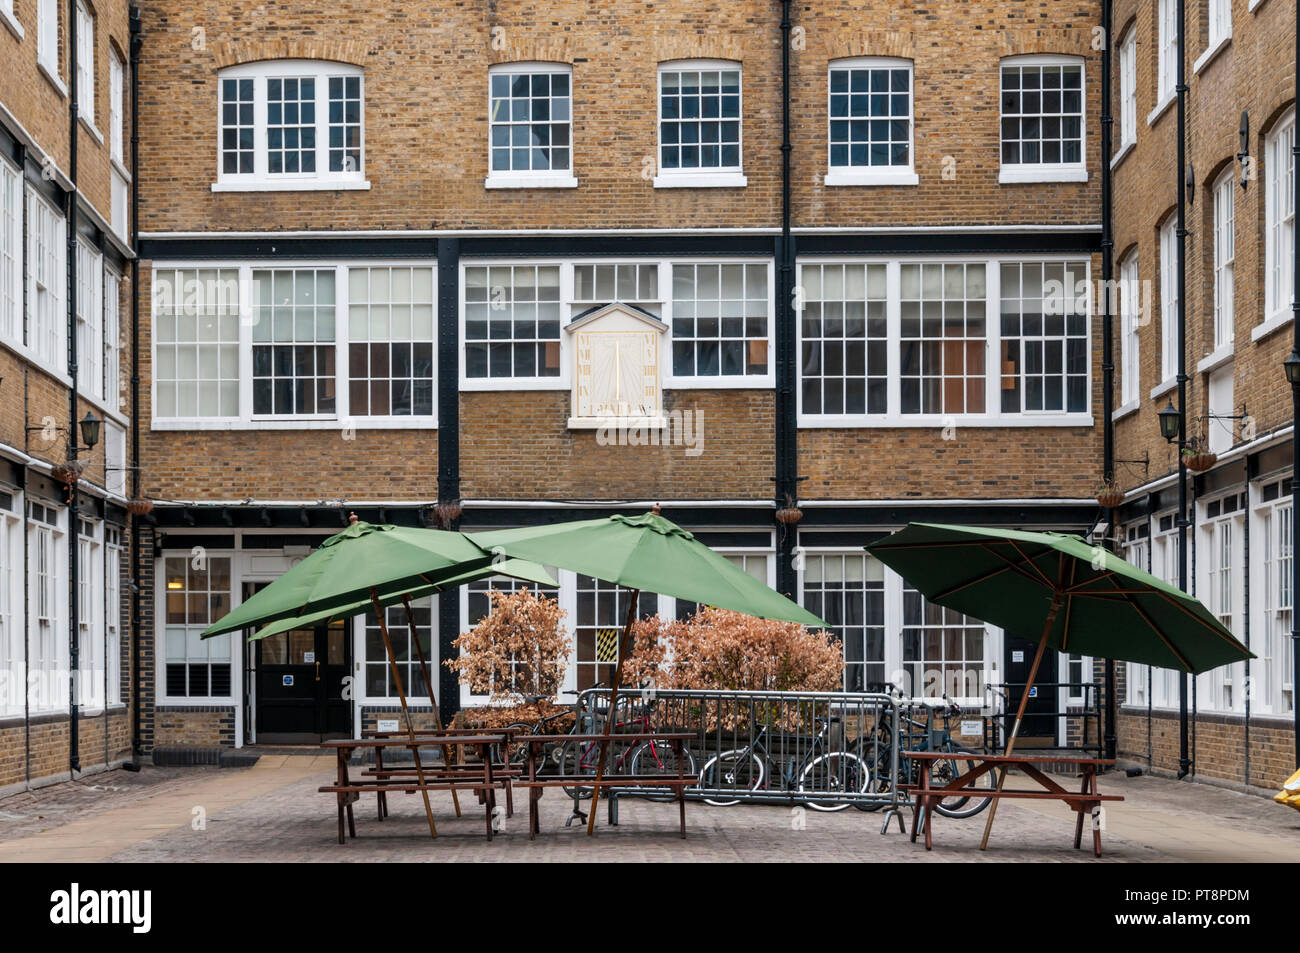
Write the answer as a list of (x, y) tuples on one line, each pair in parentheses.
[(1290, 793)]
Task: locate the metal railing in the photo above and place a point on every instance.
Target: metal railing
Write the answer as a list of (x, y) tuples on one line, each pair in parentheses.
[(1078, 717), (823, 750)]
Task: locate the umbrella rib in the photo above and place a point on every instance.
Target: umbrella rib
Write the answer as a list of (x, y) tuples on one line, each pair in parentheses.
[(1065, 631), (1156, 629), (1189, 613), (1051, 585), (1088, 582)]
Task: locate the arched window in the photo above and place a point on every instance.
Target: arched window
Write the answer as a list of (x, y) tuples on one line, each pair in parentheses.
[(291, 124)]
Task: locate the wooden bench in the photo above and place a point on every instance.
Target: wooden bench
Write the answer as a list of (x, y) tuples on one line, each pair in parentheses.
[(612, 782), (1083, 802), (348, 791), (430, 738)]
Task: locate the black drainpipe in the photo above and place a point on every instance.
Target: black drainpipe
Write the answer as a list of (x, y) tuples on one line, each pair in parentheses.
[(74, 508), (137, 38), (1245, 605), (1184, 760), (448, 252), (787, 444), (1107, 331)]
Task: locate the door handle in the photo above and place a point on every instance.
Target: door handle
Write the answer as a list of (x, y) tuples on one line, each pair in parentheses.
[(318, 671)]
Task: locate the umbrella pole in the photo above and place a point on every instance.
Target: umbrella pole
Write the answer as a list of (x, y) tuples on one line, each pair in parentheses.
[(401, 695), (1020, 713), (613, 701), (428, 686)]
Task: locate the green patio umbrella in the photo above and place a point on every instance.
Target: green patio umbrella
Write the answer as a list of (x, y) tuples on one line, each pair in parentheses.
[(354, 564), (520, 569), (349, 565), (1085, 599), (645, 552)]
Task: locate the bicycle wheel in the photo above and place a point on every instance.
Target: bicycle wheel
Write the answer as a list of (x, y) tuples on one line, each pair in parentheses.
[(838, 772), (657, 758), (518, 751), (881, 770), (578, 759), (735, 770), (946, 770)]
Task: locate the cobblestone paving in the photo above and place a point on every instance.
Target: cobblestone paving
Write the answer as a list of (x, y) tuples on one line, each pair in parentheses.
[(293, 822)]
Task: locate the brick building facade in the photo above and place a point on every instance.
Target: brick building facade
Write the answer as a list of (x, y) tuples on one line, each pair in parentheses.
[(487, 264), (1240, 71), (65, 298)]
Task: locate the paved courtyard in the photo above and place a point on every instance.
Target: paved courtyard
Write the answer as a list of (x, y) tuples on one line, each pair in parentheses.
[(272, 812)]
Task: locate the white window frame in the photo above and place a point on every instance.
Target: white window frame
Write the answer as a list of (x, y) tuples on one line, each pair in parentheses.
[(47, 42), (1225, 199), (992, 415), (246, 420), (113, 398), (1272, 673), (869, 174), (261, 179), (1164, 566), (1029, 172), (86, 68), (11, 253), (1221, 580), (236, 639), (1128, 88), (90, 320), (416, 693), (48, 598), (1131, 321), (13, 662), (47, 252), (698, 178), (8, 19), (529, 178), (1168, 301), (120, 178), (1137, 550), (90, 614), (1168, 49), (1279, 225), (1219, 15), (665, 276), (113, 551)]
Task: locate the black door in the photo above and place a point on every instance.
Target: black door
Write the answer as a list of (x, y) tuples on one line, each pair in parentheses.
[(300, 679), (1042, 710)]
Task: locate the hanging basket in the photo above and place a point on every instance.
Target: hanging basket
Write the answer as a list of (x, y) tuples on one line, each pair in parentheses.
[(789, 515), (1200, 461), (1110, 497), (68, 472), (139, 506)]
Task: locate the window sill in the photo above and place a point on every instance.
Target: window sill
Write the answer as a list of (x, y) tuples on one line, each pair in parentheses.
[(302, 185), (479, 384), (88, 124), (1279, 320), (1255, 5), (386, 423), (617, 423), (855, 177), (701, 180), (1010, 175), (1220, 357), (120, 169), (1161, 106), (1208, 56), (729, 382), (51, 74), (530, 182), (12, 23), (1125, 410), (918, 421), (1163, 388), (1123, 154)]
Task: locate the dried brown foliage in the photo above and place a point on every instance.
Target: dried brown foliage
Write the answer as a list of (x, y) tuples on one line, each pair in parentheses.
[(720, 649), (519, 648)]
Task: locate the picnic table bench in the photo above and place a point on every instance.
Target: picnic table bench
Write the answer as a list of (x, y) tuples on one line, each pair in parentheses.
[(431, 738), (1083, 801), (535, 785), (483, 778)]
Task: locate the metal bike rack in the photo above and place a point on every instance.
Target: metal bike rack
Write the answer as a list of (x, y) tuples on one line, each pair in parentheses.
[(790, 734)]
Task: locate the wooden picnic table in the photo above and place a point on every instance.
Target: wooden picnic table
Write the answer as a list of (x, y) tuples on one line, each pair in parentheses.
[(482, 778), (535, 785), (1084, 801)]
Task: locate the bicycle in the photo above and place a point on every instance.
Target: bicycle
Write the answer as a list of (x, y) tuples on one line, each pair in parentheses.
[(648, 757), (924, 736), (819, 771)]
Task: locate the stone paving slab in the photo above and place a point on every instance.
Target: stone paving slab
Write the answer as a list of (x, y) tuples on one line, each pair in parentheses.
[(272, 812)]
